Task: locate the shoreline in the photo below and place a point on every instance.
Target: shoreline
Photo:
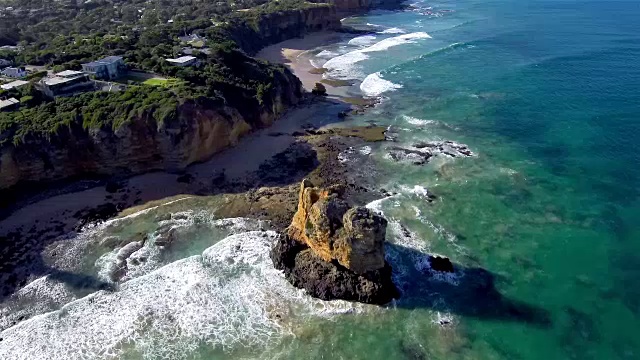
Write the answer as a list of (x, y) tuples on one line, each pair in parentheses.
[(293, 54), (58, 202), (263, 185)]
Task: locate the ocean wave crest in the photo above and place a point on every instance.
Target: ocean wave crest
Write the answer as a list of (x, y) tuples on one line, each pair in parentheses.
[(375, 85), (229, 297), (362, 40), (346, 66), (393, 30)]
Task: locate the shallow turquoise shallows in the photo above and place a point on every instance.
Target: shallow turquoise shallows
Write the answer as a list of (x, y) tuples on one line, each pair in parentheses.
[(547, 93)]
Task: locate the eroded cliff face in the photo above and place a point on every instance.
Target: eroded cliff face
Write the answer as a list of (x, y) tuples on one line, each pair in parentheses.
[(354, 237), (276, 27), (200, 129), (335, 251)]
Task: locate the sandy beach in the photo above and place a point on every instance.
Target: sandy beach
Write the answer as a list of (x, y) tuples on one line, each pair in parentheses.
[(293, 53)]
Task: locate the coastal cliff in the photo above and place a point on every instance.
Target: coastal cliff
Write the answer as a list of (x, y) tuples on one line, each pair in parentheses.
[(271, 28), (197, 128), (194, 130)]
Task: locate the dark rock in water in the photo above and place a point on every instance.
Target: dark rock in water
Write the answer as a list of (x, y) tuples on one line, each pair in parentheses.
[(422, 152), (165, 239), (440, 263), (319, 89), (416, 157), (329, 280)]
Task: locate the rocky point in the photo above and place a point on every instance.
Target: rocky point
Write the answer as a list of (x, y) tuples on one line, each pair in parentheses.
[(335, 251)]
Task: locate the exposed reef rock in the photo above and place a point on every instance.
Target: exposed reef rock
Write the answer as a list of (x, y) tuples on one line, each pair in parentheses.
[(422, 152), (441, 263), (334, 251)]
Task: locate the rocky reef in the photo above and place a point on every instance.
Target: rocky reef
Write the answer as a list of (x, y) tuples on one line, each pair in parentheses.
[(423, 152), (335, 251)]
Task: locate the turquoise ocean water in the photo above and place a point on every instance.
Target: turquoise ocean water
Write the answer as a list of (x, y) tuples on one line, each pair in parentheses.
[(541, 223)]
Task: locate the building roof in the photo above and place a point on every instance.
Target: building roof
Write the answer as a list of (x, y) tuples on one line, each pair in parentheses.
[(13, 84), (69, 73), (58, 80), (8, 102), (104, 61), (182, 59)]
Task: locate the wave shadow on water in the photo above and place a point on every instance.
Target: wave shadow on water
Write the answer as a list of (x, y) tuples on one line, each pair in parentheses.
[(469, 292)]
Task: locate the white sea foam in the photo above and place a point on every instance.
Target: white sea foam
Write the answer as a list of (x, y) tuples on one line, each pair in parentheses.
[(397, 40), (416, 121), (346, 155), (420, 191), (364, 40), (327, 54), (393, 30), (228, 297), (40, 296), (365, 150), (376, 205), (346, 66), (143, 258), (374, 85), (443, 319)]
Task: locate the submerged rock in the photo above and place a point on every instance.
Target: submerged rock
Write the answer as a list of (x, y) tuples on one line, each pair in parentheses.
[(422, 152), (334, 251)]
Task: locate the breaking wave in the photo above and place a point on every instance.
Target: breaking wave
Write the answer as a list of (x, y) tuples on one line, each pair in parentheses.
[(393, 30), (362, 40), (228, 297), (346, 66), (374, 85)]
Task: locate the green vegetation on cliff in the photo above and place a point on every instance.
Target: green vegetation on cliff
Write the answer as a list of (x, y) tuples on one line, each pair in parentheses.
[(64, 34), (92, 110), (227, 77)]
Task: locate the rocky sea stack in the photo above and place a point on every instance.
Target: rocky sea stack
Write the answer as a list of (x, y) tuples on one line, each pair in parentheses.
[(335, 251)]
